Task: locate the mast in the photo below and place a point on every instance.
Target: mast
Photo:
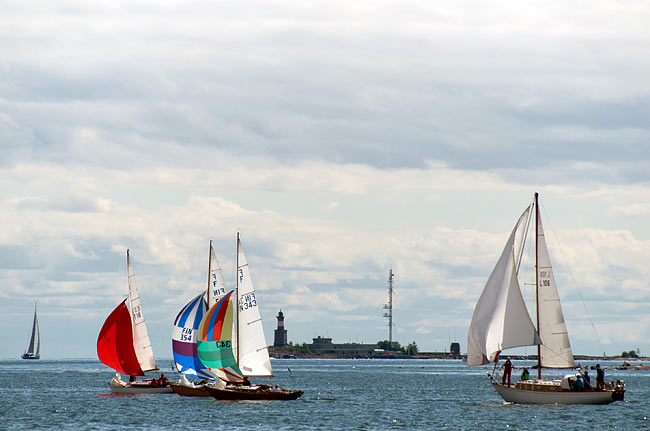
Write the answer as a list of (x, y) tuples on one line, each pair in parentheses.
[(209, 273), (38, 334), (539, 346), (237, 299), (389, 307)]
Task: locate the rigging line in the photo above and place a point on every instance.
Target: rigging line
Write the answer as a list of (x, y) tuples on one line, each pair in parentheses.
[(566, 262)]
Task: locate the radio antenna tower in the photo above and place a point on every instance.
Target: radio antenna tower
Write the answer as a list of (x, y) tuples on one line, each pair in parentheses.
[(389, 306)]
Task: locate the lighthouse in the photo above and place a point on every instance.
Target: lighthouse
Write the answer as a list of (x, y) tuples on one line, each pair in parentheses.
[(280, 333)]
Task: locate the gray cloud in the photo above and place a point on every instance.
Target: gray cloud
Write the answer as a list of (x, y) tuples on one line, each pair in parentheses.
[(157, 126)]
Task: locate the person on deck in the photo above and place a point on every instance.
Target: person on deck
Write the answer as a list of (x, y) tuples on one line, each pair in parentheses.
[(163, 381), (587, 379), (524, 374), (600, 378), (580, 383), (507, 370)]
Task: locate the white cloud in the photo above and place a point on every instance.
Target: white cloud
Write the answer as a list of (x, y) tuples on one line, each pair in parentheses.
[(334, 138)]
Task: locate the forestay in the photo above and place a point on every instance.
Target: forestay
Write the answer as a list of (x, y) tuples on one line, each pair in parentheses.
[(501, 320)]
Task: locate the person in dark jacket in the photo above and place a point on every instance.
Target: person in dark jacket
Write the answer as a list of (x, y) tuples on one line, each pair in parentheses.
[(600, 378), (507, 370)]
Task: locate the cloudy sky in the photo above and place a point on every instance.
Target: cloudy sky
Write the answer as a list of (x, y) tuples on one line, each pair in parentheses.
[(341, 139)]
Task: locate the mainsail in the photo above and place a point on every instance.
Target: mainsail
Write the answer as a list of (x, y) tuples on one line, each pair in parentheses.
[(141, 342), (252, 354), (216, 285), (555, 349), (215, 341), (500, 319)]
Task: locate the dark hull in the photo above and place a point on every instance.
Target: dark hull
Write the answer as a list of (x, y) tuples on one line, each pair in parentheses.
[(187, 391), (30, 356), (253, 394)]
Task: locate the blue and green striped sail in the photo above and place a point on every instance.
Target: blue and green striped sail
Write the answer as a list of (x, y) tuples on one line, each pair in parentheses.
[(215, 341)]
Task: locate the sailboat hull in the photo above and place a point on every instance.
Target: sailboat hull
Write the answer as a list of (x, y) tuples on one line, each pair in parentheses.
[(553, 394), (140, 387), (188, 391), (30, 356), (254, 394)]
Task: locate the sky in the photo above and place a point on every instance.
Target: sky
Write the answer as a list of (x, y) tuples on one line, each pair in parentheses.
[(341, 140)]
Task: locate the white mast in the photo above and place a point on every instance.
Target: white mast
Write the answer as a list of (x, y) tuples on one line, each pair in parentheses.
[(210, 276)]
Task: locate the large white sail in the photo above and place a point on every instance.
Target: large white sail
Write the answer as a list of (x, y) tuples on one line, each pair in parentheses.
[(556, 349), (141, 342), (217, 287), (500, 318), (253, 354)]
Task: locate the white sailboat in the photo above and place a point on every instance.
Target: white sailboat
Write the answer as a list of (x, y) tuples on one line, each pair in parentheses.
[(34, 348), (123, 344), (501, 321), (235, 358)]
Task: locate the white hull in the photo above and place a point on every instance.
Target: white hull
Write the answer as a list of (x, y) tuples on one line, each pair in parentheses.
[(137, 388), (529, 396)]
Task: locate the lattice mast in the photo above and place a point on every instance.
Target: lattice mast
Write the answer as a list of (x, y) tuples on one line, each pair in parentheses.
[(389, 306)]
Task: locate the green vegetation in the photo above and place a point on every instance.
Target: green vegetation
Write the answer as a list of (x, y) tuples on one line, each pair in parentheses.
[(411, 349), (388, 346), (630, 354)]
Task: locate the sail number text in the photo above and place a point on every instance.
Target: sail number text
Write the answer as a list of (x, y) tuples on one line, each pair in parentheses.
[(545, 278), (137, 312), (247, 301), (186, 334), (217, 291)]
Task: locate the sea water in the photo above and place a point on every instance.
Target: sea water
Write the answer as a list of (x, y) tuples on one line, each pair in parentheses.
[(339, 395)]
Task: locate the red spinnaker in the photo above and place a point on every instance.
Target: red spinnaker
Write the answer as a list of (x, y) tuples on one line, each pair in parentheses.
[(115, 343)]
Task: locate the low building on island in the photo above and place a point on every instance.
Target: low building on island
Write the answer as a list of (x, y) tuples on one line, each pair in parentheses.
[(325, 346)]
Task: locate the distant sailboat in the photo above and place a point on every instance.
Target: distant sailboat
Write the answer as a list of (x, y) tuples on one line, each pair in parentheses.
[(246, 355), (34, 340), (501, 321), (123, 344)]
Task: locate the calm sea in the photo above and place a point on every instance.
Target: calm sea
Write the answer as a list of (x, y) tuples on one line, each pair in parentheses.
[(339, 395)]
